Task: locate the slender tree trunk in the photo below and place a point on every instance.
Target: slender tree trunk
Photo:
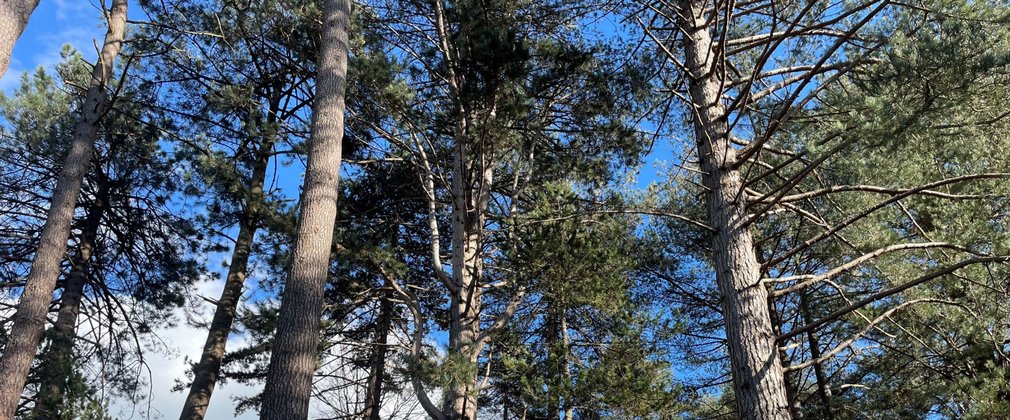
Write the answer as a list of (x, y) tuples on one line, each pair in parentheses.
[(758, 378), (559, 343), (58, 365), (823, 389), (373, 396), (14, 16), (792, 378), (471, 183), (207, 372), (566, 344), (293, 360), (30, 318)]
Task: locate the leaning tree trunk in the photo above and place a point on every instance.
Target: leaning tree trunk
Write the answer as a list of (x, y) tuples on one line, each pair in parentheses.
[(373, 395), (14, 16), (207, 372), (57, 367), (758, 378), (30, 318), (293, 360)]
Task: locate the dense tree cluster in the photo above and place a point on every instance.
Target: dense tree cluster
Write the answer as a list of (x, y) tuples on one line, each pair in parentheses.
[(519, 209)]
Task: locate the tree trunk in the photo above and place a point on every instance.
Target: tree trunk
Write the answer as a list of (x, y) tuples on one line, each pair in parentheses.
[(792, 379), (30, 318), (823, 389), (566, 346), (293, 360), (758, 378), (373, 396), (58, 365), (207, 372), (471, 183), (14, 16)]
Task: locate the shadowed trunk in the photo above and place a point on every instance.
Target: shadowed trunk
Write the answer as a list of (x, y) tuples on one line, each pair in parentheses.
[(293, 359), (207, 372), (373, 397), (58, 365), (823, 389), (758, 378), (30, 318), (14, 16)]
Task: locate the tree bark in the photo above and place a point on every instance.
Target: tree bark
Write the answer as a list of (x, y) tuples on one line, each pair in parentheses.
[(293, 360), (207, 372), (14, 16), (758, 378), (373, 396), (30, 318), (58, 365)]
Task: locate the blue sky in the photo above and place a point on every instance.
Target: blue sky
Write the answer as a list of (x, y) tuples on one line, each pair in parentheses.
[(54, 23)]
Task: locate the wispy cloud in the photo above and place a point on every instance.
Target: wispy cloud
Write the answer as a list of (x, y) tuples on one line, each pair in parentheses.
[(72, 9)]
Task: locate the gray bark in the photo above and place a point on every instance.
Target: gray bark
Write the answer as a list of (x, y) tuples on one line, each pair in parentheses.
[(293, 360), (14, 16), (30, 318), (207, 372), (758, 378)]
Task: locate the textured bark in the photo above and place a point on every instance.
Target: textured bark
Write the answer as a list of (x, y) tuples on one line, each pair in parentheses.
[(207, 372), (14, 16), (59, 362), (293, 360), (758, 379), (30, 318), (373, 396)]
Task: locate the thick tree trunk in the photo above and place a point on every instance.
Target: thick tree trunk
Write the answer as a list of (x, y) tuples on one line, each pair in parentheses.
[(293, 361), (207, 372), (373, 396), (30, 318), (758, 378), (58, 365), (14, 16)]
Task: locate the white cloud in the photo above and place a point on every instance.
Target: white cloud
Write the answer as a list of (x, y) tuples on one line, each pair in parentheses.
[(184, 344), (48, 32), (71, 9)]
